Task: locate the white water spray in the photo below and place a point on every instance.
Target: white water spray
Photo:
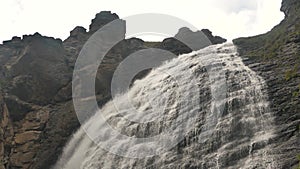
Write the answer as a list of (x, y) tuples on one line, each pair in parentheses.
[(228, 122)]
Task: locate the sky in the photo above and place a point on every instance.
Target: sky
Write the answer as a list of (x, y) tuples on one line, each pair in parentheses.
[(56, 18)]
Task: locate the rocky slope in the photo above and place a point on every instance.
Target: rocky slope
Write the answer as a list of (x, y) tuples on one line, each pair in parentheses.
[(36, 110), (276, 57)]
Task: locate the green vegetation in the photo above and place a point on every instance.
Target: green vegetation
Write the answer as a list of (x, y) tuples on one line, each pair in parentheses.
[(291, 73), (265, 46), (2, 162), (152, 44), (3, 83), (299, 161), (297, 93), (298, 156)]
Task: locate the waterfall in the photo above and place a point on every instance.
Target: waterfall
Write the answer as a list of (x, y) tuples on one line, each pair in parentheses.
[(213, 108)]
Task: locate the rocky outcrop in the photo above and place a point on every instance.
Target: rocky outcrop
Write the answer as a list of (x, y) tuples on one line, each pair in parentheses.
[(102, 19), (36, 110), (33, 71), (276, 57), (290, 7), (34, 77), (37, 69), (212, 38), (186, 38)]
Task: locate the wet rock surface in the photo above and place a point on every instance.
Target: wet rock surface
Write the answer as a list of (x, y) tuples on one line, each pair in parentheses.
[(280, 67)]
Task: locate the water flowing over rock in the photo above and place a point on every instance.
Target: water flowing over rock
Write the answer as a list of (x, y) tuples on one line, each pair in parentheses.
[(232, 124), (37, 115), (48, 121)]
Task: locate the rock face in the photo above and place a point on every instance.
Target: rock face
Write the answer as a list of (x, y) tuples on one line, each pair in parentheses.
[(290, 7), (36, 111), (276, 57), (6, 134), (101, 19), (213, 39), (39, 71)]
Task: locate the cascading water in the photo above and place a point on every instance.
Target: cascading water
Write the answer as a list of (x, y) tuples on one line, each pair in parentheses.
[(228, 122)]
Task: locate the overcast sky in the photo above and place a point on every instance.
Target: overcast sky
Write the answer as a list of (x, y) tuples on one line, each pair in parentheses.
[(56, 18)]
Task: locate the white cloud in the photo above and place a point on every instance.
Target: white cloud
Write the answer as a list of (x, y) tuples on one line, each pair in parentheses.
[(228, 18), (235, 5)]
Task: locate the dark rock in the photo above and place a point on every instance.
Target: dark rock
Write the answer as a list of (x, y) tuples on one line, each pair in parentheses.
[(175, 46), (14, 42), (213, 39), (195, 40), (186, 41), (199, 39), (39, 71), (275, 56), (17, 108), (290, 7), (101, 19), (77, 31)]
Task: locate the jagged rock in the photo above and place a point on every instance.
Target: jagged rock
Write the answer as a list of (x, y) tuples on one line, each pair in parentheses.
[(213, 39), (199, 39), (77, 31), (13, 42), (102, 19), (290, 7), (186, 38), (39, 71)]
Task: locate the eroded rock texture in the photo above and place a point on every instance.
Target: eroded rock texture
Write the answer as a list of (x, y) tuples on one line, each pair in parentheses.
[(36, 110)]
